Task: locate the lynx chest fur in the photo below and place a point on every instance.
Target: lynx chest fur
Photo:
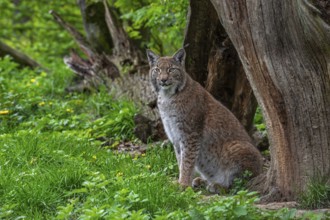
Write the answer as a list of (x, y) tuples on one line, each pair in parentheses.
[(179, 116), (207, 138)]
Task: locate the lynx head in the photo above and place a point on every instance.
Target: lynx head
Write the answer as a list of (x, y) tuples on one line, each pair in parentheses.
[(167, 73)]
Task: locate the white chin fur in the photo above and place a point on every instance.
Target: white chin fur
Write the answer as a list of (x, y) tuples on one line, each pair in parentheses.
[(165, 87)]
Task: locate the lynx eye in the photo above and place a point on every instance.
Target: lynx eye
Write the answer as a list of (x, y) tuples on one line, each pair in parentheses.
[(156, 70), (171, 70)]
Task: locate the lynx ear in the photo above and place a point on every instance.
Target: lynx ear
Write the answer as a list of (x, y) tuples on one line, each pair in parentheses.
[(179, 56), (152, 57)]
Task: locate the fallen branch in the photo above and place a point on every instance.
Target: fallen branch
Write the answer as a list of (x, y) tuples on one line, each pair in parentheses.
[(78, 37), (17, 56)]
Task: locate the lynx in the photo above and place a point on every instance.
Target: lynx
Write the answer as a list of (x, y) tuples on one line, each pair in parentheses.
[(207, 138)]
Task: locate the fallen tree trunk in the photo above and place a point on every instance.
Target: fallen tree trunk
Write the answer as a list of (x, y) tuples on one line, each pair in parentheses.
[(17, 56)]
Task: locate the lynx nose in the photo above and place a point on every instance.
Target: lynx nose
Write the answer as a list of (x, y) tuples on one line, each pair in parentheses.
[(163, 79)]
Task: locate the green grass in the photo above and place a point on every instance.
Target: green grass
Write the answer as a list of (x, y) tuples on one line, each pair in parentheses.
[(42, 172), (317, 193), (36, 170)]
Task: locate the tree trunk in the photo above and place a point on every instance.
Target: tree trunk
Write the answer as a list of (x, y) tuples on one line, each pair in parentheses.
[(213, 62), (285, 51), (96, 29), (105, 34), (124, 49)]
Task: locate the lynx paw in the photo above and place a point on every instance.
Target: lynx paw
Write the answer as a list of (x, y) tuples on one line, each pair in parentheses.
[(216, 188), (198, 182)]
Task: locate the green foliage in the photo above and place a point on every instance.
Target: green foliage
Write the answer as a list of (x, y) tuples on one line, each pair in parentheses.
[(34, 100), (163, 20), (117, 124), (317, 193), (125, 189), (239, 206), (29, 27), (259, 121), (239, 184)]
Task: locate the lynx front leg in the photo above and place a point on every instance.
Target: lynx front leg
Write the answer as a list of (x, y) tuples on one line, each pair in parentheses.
[(177, 153), (189, 153)]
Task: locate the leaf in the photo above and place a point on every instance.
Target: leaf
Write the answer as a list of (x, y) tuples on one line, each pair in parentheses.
[(76, 191), (196, 215), (240, 211), (290, 214)]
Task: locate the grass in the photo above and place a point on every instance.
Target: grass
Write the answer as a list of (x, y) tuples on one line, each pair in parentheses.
[(43, 172), (38, 168), (317, 193), (54, 166)]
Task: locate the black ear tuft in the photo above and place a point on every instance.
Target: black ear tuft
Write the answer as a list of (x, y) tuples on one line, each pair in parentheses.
[(180, 55), (152, 57)]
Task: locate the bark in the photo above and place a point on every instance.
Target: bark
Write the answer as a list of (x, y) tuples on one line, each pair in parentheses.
[(78, 37), (124, 49), (105, 34), (214, 63), (96, 29), (285, 51), (17, 56)]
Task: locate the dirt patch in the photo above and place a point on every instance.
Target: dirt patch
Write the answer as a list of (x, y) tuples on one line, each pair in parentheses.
[(130, 148)]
